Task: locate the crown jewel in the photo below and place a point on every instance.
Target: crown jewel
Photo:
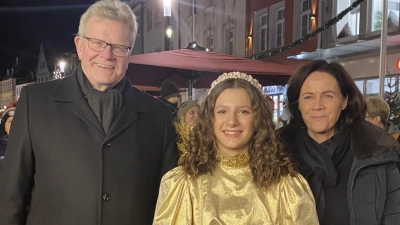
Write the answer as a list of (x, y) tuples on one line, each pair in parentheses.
[(237, 75)]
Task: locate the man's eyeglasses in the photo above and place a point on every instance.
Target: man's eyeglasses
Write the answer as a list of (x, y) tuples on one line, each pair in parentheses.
[(99, 46)]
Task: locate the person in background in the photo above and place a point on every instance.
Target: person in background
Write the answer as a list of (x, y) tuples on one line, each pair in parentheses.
[(229, 174), (377, 111), (285, 117), (90, 148), (170, 95), (187, 118), (270, 103), (349, 163), (188, 112), (5, 125), (7, 119)]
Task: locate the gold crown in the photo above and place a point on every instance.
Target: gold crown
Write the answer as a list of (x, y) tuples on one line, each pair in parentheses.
[(237, 75)]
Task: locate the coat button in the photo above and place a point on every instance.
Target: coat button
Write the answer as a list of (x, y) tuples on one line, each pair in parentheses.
[(107, 197), (108, 145)]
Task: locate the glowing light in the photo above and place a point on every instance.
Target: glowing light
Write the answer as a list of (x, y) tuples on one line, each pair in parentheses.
[(168, 32), (62, 66), (398, 64)]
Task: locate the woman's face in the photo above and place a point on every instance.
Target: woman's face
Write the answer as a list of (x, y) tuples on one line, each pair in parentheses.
[(192, 116), (233, 121), (320, 104)]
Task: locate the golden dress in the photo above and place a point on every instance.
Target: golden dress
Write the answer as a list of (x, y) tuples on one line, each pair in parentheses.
[(229, 196)]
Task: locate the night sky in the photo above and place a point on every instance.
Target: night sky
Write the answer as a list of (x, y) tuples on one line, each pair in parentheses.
[(24, 24)]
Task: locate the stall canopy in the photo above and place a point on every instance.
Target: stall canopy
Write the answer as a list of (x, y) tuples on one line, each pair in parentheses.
[(196, 68)]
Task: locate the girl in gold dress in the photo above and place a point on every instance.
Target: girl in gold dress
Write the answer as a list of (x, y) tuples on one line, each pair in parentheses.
[(235, 170)]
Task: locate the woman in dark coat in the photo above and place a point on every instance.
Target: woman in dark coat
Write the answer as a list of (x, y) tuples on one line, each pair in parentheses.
[(349, 163)]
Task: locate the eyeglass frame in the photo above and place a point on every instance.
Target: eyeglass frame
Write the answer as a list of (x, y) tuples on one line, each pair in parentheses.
[(127, 49)]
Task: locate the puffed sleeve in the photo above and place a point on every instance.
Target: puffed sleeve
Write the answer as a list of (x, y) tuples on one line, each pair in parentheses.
[(174, 205), (297, 205)]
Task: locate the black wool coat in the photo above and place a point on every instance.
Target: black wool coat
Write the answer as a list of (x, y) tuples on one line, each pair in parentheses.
[(373, 189), (61, 168)]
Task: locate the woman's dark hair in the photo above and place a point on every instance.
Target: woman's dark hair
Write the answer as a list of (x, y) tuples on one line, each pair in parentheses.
[(268, 160), (356, 107)]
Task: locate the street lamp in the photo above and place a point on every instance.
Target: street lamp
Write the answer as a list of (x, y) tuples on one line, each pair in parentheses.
[(167, 24), (62, 66), (168, 32), (59, 73)]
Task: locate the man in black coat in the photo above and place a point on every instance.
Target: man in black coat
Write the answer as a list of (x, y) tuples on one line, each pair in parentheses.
[(89, 149), (170, 95)]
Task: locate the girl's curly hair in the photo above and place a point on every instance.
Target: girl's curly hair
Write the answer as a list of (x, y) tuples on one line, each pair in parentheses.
[(268, 160)]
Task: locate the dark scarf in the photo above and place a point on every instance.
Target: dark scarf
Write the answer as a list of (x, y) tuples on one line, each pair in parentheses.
[(321, 161), (105, 104)]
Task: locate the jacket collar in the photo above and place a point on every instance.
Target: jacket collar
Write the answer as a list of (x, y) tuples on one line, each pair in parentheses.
[(368, 140), (369, 143), (135, 102)]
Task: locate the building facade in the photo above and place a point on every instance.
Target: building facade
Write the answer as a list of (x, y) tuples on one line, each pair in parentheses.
[(354, 42), (273, 24), (7, 92), (219, 25)]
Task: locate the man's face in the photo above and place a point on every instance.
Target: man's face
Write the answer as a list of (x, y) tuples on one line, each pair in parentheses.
[(174, 100), (103, 69)]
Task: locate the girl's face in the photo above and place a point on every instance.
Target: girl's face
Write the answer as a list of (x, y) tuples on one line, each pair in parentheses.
[(233, 121)]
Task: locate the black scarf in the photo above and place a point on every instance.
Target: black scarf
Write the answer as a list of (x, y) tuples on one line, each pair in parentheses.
[(105, 104), (321, 161)]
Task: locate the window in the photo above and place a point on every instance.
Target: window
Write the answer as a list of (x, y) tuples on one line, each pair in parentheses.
[(42, 65), (305, 17), (158, 16), (192, 7), (263, 32), (372, 85), (229, 42), (210, 43), (376, 14), (149, 16), (350, 24), (390, 84), (360, 85), (280, 24)]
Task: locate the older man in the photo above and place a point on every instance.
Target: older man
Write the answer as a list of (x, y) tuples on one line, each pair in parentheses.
[(89, 149)]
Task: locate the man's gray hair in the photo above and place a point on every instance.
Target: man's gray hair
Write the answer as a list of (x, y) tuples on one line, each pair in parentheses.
[(113, 10)]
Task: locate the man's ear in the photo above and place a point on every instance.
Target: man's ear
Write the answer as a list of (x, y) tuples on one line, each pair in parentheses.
[(127, 64), (79, 46)]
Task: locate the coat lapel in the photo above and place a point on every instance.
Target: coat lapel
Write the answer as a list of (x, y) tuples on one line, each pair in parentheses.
[(134, 103), (68, 90)]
